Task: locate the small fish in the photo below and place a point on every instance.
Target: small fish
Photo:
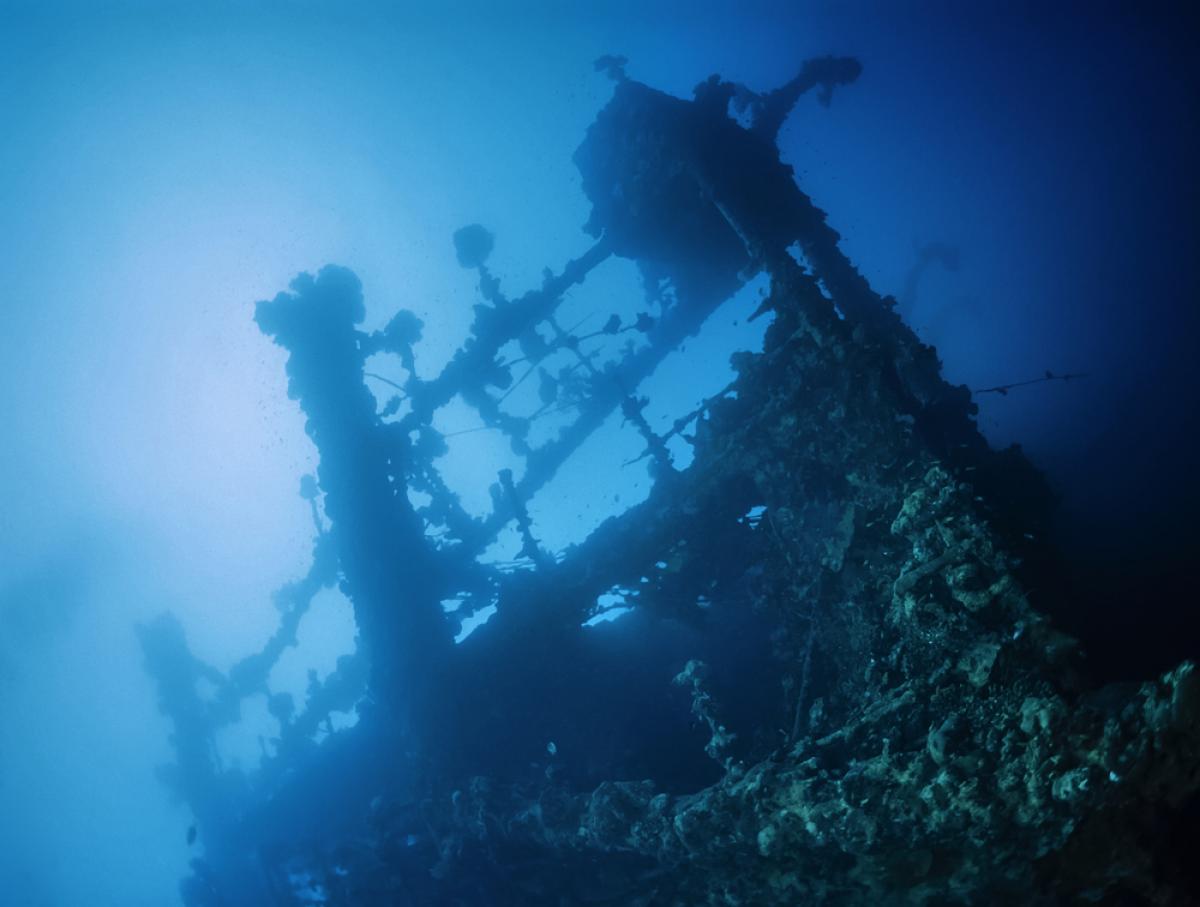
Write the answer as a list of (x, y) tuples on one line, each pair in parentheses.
[(191, 835), (551, 748)]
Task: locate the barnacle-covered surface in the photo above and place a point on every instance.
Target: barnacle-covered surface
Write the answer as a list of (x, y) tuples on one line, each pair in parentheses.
[(833, 686)]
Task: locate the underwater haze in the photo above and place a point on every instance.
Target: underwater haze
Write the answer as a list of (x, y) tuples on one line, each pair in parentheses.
[(1021, 178)]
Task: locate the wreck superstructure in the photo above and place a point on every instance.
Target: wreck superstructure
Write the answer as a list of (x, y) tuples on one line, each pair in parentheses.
[(862, 705)]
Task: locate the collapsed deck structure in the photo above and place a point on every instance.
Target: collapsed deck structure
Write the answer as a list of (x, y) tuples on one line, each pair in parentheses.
[(849, 698)]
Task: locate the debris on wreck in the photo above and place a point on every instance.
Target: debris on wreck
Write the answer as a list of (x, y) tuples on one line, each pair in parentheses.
[(920, 733)]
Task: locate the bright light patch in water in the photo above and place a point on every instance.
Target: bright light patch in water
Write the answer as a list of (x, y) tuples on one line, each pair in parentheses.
[(505, 549), (326, 633), (474, 457), (607, 616), (611, 605), (700, 368), (754, 515), (475, 621), (336, 721), (242, 745)]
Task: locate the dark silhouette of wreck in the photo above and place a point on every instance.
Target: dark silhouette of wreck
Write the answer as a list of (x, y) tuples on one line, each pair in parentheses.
[(866, 708)]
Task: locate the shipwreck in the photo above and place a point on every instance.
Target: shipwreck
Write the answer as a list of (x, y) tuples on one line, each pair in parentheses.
[(836, 683)]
